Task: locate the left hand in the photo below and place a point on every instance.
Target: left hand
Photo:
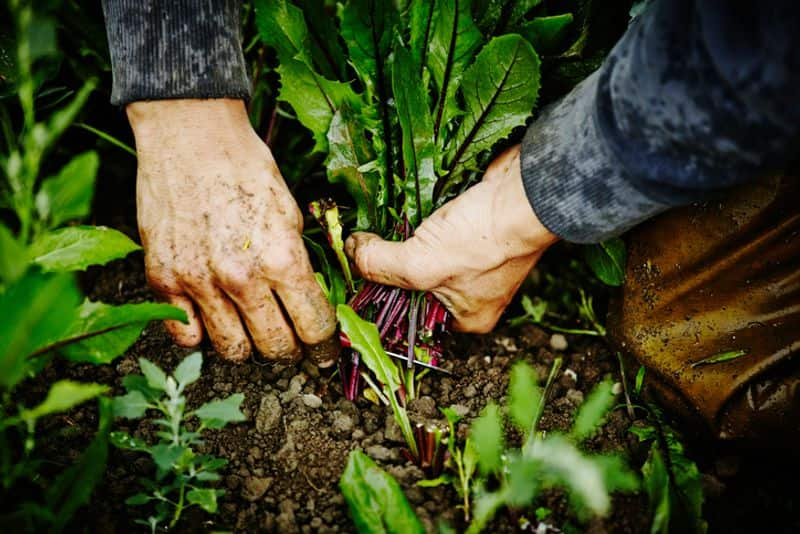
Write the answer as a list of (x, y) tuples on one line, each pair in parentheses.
[(472, 253)]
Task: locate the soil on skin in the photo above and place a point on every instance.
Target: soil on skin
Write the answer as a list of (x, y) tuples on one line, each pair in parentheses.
[(286, 459)]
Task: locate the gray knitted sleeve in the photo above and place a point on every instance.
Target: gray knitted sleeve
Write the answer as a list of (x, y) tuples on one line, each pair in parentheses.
[(164, 49)]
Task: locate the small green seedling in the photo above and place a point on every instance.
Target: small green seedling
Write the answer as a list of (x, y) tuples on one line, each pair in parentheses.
[(181, 474)]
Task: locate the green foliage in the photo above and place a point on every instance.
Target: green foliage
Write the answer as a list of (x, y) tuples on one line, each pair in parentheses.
[(671, 479), (78, 247), (181, 473), (607, 260), (376, 502), (364, 338), (721, 357)]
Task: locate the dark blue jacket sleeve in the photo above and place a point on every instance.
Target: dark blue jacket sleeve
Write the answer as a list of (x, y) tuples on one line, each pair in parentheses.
[(696, 97)]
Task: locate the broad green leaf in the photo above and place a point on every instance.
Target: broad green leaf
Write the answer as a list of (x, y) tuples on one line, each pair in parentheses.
[(376, 501), (607, 261), (546, 34), (73, 487), (188, 371), (166, 455), (204, 498), (324, 39), (224, 411), (656, 482), (584, 479), (523, 397), (121, 440), (422, 15), (720, 357), (36, 308), (102, 332), (499, 91), (77, 247), (62, 396), (591, 413), (314, 98), (156, 378), (132, 405), (12, 257), (486, 434), (367, 27), (68, 195), (453, 43), (349, 151), (419, 149)]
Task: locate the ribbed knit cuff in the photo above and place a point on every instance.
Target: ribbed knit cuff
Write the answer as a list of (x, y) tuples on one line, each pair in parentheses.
[(575, 185), (165, 49)]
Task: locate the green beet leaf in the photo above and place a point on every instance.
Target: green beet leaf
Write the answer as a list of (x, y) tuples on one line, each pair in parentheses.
[(486, 434), (376, 502), (78, 247), (499, 91), (607, 261), (102, 332), (419, 149), (453, 43), (523, 397), (422, 15), (68, 195)]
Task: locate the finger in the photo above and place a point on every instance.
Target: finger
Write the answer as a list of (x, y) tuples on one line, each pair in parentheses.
[(271, 334), (223, 324), (386, 262), (189, 334)]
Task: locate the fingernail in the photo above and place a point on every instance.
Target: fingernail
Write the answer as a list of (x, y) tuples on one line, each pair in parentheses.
[(324, 354)]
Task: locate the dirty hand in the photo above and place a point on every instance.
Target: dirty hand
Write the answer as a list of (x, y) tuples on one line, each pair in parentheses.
[(472, 253), (222, 233)]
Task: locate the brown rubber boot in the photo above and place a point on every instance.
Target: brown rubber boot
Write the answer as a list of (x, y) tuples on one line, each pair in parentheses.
[(721, 278)]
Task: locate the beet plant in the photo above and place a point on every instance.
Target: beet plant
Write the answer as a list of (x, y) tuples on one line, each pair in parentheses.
[(408, 114)]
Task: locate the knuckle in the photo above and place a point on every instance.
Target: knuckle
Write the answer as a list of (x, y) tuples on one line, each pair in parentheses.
[(283, 263), (234, 276)]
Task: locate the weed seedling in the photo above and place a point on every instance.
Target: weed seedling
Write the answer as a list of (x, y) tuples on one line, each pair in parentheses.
[(181, 474)]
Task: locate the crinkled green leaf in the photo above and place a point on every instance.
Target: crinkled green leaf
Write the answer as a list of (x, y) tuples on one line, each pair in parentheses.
[(68, 195), (132, 405), (419, 148), (62, 396), (523, 396), (188, 371), (453, 43), (226, 410), (102, 331), (367, 27), (204, 498), (499, 91), (486, 434), (77, 247), (593, 410), (607, 261), (547, 34), (376, 502), (36, 308)]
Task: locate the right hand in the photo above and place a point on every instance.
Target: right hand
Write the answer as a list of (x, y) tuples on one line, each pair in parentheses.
[(222, 234)]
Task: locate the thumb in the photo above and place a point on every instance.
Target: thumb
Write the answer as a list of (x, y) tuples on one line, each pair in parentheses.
[(384, 262)]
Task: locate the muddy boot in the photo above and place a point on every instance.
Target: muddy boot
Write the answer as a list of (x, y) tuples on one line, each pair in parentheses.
[(711, 308)]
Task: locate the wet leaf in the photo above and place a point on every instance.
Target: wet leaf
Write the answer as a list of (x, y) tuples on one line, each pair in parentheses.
[(122, 440)]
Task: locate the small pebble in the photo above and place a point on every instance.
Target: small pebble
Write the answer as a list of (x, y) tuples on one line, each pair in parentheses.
[(616, 389), (311, 400), (558, 342), (575, 396)]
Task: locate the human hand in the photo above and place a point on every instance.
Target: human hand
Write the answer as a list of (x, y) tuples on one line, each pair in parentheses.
[(472, 253), (222, 234)]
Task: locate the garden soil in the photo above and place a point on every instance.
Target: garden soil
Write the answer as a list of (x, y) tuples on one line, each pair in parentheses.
[(286, 458)]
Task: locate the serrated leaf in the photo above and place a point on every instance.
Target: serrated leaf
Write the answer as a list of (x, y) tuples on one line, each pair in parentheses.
[(188, 371), (453, 43), (607, 260), (156, 378), (132, 405), (78, 247), (593, 410), (418, 147), (62, 396), (102, 332), (523, 397), (226, 410), (499, 91), (204, 498), (486, 434), (376, 502), (36, 308), (68, 195), (349, 150)]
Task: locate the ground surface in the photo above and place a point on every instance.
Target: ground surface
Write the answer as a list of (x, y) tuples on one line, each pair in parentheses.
[(285, 460)]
